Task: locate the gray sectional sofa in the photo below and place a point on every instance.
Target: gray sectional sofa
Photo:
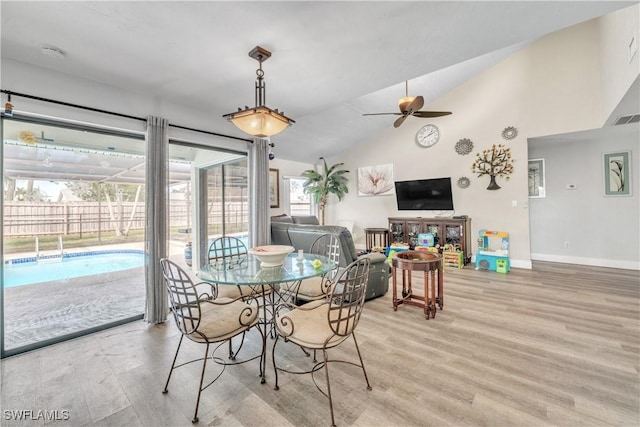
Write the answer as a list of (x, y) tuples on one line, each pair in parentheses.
[(301, 231)]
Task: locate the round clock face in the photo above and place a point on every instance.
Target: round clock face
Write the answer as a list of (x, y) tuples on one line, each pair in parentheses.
[(428, 135)]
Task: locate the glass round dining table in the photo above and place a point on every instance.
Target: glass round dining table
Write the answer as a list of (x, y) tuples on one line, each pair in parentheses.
[(246, 270), (263, 282)]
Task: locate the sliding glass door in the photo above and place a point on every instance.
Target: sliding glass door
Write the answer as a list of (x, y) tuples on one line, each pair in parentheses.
[(73, 215), (227, 200), (212, 203)]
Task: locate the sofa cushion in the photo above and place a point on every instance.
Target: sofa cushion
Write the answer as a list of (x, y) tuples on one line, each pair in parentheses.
[(305, 219), (280, 233), (301, 236), (282, 218)]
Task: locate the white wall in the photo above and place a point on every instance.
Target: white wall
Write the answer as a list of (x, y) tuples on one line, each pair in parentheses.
[(618, 72), (552, 86), (582, 226), (23, 78)]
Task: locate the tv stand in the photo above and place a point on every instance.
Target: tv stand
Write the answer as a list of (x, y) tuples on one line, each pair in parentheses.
[(456, 231)]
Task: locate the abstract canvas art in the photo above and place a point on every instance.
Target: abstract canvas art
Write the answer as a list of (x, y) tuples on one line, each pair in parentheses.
[(376, 180)]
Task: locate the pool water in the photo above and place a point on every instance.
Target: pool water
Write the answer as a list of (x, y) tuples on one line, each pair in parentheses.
[(28, 271)]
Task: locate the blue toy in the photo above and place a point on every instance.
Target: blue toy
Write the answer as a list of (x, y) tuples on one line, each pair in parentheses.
[(425, 239), (489, 258)]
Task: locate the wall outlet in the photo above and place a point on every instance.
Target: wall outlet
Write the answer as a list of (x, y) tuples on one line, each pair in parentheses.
[(566, 245), (514, 203)]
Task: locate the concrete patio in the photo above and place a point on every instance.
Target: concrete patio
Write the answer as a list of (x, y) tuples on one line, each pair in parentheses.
[(49, 310)]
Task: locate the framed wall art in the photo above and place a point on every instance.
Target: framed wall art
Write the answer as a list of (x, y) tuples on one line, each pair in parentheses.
[(617, 173), (274, 188), (536, 178), (376, 180)]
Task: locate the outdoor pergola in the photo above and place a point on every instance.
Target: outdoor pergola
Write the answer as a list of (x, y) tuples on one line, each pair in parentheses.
[(35, 154)]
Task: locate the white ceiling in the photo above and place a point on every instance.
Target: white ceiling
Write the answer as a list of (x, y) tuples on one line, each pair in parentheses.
[(332, 61)]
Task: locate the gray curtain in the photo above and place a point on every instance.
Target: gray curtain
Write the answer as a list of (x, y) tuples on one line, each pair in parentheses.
[(157, 305), (259, 232)]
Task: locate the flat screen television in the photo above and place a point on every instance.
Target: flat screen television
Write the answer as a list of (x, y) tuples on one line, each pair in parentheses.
[(424, 195)]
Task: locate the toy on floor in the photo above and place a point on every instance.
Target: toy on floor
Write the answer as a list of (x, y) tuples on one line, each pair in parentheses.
[(489, 258), (452, 256)]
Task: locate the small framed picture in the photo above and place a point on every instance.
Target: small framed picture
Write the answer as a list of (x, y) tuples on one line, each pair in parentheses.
[(536, 178), (617, 173), (274, 188)]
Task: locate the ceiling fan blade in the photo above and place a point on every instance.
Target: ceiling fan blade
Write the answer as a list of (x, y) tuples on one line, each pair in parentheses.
[(415, 105), (381, 114), (431, 113), (400, 120)]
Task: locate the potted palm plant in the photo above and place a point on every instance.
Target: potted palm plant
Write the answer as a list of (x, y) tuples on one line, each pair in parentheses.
[(320, 184)]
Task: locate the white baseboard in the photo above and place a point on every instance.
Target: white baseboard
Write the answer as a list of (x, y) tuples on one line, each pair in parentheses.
[(596, 262), (521, 263)]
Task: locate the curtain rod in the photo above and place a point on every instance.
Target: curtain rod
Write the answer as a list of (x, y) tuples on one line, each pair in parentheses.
[(67, 104), (211, 133), (97, 110)]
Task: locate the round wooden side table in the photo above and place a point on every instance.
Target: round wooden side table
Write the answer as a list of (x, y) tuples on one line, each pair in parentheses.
[(376, 237), (431, 264)]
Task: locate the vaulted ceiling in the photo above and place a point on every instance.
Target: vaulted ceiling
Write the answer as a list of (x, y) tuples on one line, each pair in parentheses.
[(332, 61)]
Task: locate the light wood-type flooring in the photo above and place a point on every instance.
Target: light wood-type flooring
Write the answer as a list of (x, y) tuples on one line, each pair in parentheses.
[(556, 345)]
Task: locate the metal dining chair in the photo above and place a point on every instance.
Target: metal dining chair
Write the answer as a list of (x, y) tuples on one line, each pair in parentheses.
[(325, 323), (205, 318), (228, 251), (318, 287)]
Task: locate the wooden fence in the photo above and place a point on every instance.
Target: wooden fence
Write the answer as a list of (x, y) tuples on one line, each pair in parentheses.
[(32, 219)]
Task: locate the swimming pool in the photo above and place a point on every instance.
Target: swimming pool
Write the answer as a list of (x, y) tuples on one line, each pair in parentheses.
[(26, 271)]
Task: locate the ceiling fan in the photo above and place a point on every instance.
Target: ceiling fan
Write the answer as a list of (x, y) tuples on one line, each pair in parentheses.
[(410, 106)]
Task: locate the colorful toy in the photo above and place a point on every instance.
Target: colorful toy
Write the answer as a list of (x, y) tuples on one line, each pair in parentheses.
[(425, 239), (452, 255), (502, 265), (453, 259), (427, 249), (395, 248), (489, 258)]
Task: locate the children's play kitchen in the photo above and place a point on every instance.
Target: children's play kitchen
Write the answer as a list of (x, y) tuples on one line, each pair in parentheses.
[(493, 251)]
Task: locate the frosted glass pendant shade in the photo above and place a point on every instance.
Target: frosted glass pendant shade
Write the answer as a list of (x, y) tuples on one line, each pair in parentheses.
[(259, 121)]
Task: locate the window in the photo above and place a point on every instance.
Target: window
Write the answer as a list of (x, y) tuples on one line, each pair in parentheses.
[(300, 203)]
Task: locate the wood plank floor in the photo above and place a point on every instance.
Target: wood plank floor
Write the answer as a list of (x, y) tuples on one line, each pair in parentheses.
[(556, 345)]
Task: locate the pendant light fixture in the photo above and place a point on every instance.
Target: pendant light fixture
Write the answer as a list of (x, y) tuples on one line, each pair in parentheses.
[(260, 120)]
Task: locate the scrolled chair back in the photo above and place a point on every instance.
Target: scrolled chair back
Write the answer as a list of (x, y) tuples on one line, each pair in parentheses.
[(329, 246), (328, 321), (347, 297), (183, 298), (226, 248)]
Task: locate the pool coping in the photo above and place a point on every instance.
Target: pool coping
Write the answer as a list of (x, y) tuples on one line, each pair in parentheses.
[(72, 255)]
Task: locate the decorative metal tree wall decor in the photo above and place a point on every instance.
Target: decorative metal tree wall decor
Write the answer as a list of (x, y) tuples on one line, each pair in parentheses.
[(495, 161)]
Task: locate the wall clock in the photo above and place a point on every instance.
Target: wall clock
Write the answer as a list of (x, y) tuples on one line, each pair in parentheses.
[(428, 135)]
